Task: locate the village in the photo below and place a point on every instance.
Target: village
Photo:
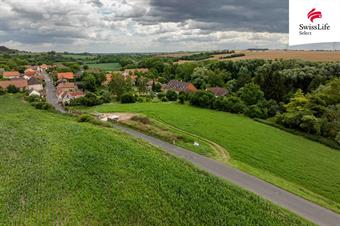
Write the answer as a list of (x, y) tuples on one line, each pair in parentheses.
[(69, 86)]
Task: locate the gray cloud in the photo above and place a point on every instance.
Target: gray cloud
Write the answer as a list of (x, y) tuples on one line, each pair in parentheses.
[(142, 25), (254, 15), (97, 3)]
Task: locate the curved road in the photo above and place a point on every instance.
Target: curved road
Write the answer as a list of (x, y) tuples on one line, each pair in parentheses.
[(280, 197)]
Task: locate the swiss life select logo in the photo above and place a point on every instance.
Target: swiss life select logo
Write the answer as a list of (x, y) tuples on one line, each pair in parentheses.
[(314, 21), (312, 15), (308, 29)]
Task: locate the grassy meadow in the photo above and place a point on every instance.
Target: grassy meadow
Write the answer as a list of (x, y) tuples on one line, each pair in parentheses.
[(295, 163), (107, 66), (54, 170)]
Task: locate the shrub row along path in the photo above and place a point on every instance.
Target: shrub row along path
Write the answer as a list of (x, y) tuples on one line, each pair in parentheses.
[(293, 203)]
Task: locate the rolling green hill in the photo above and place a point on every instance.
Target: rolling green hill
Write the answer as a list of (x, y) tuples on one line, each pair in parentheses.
[(297, 164), (54, 170)]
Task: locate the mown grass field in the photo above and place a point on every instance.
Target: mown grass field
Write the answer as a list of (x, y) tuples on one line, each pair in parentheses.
[(295, 163), (56, 171), (107, 66)]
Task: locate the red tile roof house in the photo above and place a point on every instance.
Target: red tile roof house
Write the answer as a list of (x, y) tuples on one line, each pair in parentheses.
[(66, 96), (20, 83), (107, 80), (11, 74), (65, 75), (218, 91), (180, 86), (68, 86), (44, 66), (29, 73)]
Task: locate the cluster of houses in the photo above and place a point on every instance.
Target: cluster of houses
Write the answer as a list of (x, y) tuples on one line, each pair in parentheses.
[(66, 89), (175, 85), (31, 80)]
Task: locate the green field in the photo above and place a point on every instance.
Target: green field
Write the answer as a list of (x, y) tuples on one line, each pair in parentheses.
[(56, 171), (79, 56), (106, 66), (295, 163)]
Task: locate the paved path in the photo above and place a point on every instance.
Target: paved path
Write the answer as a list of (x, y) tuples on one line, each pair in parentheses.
[(300, 206), (51, 94)]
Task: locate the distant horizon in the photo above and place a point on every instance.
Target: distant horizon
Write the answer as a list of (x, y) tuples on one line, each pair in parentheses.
[(182, 51)]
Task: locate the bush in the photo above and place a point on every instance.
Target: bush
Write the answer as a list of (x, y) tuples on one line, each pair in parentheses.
[(164, 99), (161, 95), (41, 105), (171, 95), (106, 97), (2, 91), (85, 118), (33, 98), (255, 111), (156, 87), (12, 89), (219, 104), (89, 100), (127, 98), (202, 99), (182, 98), (231, 104)]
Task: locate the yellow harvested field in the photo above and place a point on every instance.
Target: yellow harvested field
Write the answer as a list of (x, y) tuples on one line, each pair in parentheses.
[(289, 54), (176, 54)]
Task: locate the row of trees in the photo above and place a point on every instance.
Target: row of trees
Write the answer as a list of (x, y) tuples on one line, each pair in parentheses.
[(249, 100), (315, 113)]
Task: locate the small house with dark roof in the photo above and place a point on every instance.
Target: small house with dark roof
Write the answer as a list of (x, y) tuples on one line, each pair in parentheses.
[(35, 84), (218, 91)]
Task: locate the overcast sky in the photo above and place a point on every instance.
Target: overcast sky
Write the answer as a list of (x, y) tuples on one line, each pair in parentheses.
[(143, 25)]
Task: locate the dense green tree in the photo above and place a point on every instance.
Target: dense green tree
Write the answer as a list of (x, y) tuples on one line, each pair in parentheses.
[(156, 87), (141, 84), (118, 85), (243, 77), (171, 95), (202, 99), (127, 98), (89, 82), (182, 97), (251, 94), (12, 89)]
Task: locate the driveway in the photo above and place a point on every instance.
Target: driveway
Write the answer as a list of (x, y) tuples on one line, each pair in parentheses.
[(276, 195), (51, 95)]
